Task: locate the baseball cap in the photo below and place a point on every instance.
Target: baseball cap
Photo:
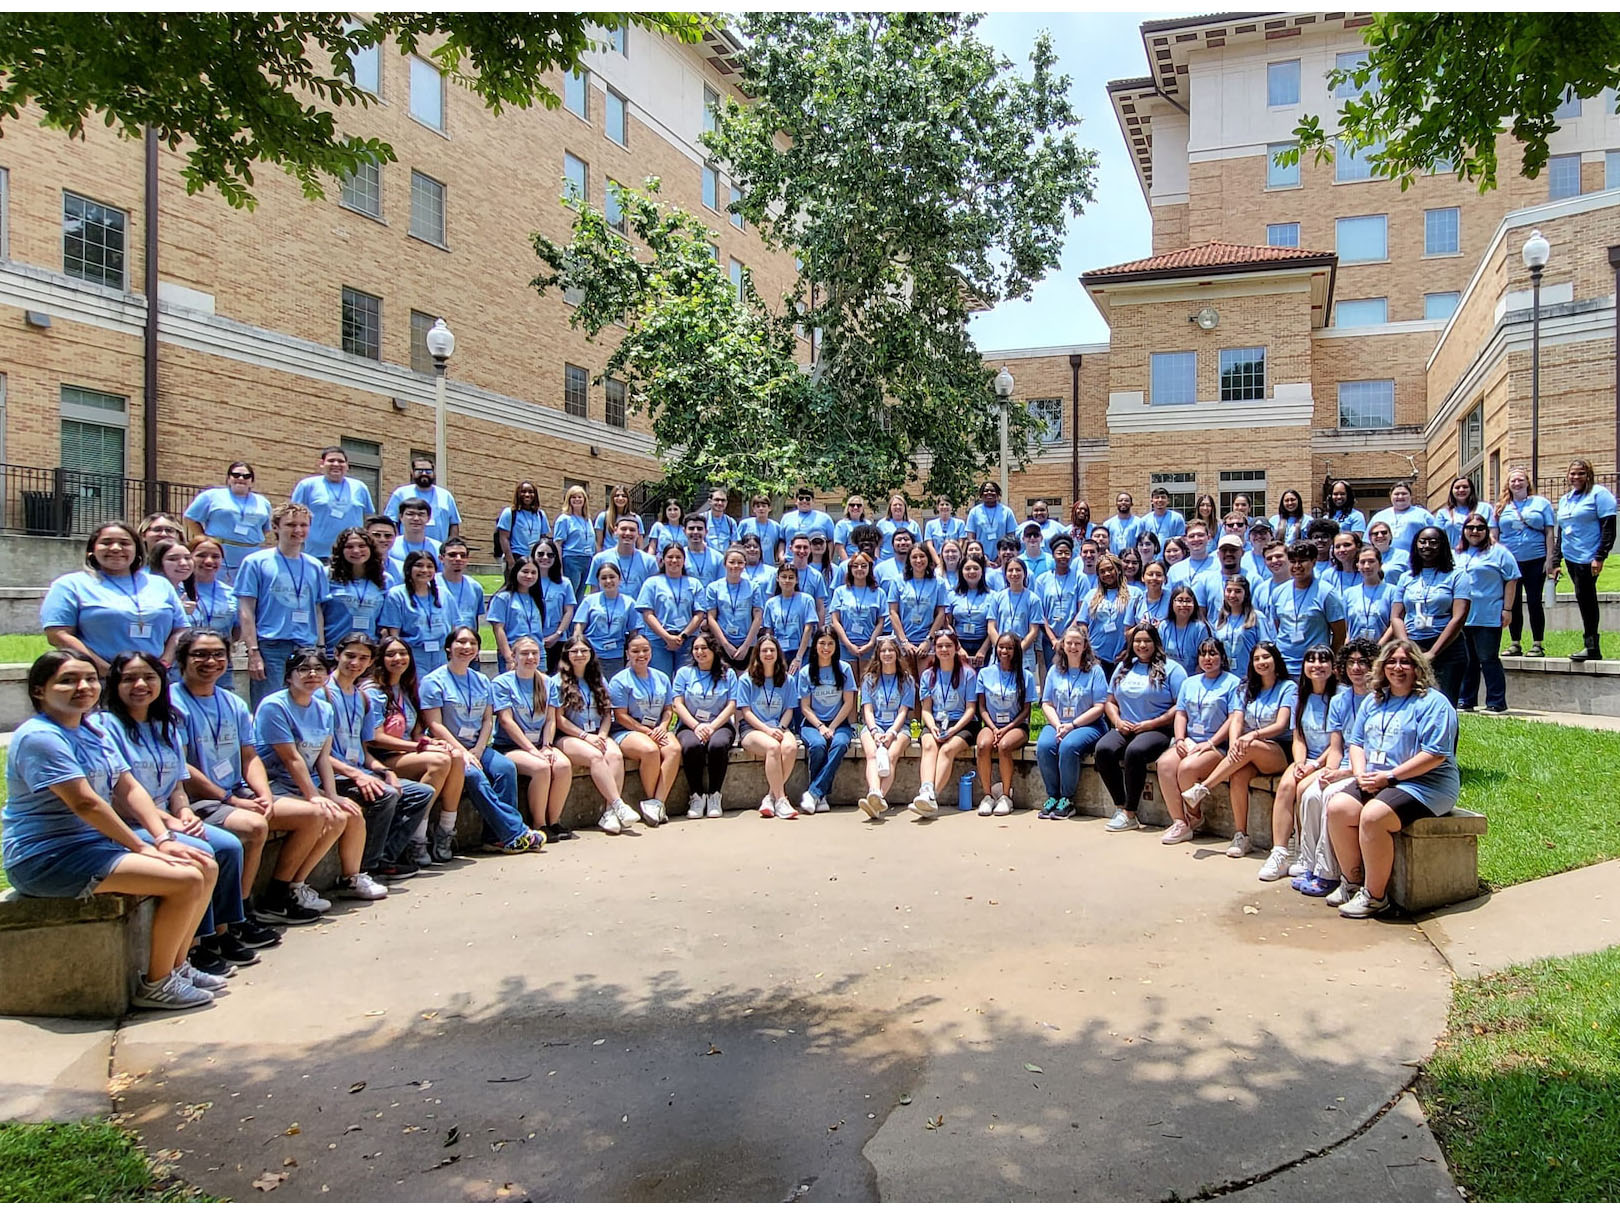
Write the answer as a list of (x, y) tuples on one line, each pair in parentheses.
[(1230, 541)]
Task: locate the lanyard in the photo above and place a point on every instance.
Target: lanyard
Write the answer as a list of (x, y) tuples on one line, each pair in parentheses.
[(242, 510), (431, 617), (466, 689), (335, 498), (133, 593), (145, 739), (210, 600), (1298, 615), (298, 582), (455, 589), (733, 594), (216, 724)]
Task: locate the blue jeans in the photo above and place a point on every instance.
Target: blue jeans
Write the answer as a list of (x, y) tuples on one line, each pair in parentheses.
[(225, 907), (275, 655), (494, 792), (1060, 761), (1484, 659), (575, 568), (610, 666), (667, 660), (821, 758)]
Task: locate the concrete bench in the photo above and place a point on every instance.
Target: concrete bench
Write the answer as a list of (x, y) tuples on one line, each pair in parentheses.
[(71, 957)]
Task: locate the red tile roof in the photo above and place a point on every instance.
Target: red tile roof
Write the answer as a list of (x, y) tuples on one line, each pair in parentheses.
[(1214, 255)]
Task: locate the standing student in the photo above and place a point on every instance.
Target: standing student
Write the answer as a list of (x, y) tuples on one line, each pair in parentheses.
[(1240, 627), (1006, 695), (417, 611), (214, 603), (574, 536), (888, 700), (171, 561), (1493, 586), (446, 516), (917, 606), (1369, 604), (826, 689), (720, 527), (413, 537), (607, 619), (1152, 606), (642, 697), (1199, 559), (898, 515), (232, 514), (1307, 611), (1105, 613), (584, 718), (525, 732), (857, 613), (1147, 547), (989, 521), (560, 600), (1058, 590), (1341, 508), (1186, 627), (464, 595), (1016, 610), (1432, 606), (280, 593), (1288, 524), (789, 615), (1123, 526), (768, 531), (1209, 713), (334, 499), (113, 604), (1141, 712), (634, 566), (1344, 573), (1527, 523), (1311, 750), (804, 519), (404, 747), (1079, 521), (702, 561), (1036, 562), (705, 704), (947, 697), (1072, 703), (607, 519), (1462, 501), (1208, 512), (518, 610), (670, 528), (766, 703), (733, 611), (1586, 526), (1163, 522), (670, 610), (358, 582), (1404, 517), (1395, 562), (970, 612), (1040, 514), (1130, 561), (854, 516), (942, 527)]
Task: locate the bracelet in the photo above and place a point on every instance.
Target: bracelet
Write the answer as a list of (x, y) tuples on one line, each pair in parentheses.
[(162, 839)]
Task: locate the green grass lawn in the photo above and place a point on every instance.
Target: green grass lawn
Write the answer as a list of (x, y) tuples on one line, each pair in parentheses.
[(1523, 1092), (1561, 643), (81, 1162), (1608, 580)]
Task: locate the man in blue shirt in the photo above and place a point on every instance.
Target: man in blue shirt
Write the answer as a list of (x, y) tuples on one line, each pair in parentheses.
[(702, 562), (1123, 526), (1198, 559), (334, 500), (722, 527), (1040, 515), (1160, 519), (989, 521), (1306, 611), (446, 520), (635, 566), (803, 521)]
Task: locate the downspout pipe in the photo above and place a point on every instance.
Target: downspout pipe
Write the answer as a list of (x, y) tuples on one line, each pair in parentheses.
[(1074, 428), (149, 389)]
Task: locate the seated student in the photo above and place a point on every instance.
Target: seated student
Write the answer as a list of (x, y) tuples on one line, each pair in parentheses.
[(1403, 756), (1239, 627), (414, 514), (113, 604), (608, 619), (1311, 750), (606, 523), (458, 708), (826, 691), (789, 615), (670, 528), (1209, 712), (942, 527), (1006, 695), (466, 596), (1316, 873), (518, 610), (359, 580), (1141, 712), (670, 611), (584, 718), (970, 611), (857, 612), (64, 837), (403, 746), (766, 703), (733, 612), (561, 600), (948, 697), (1268, 706), (418, 612), (888, 699), (634, 566), (917, 605), (705, 703), (1073, 706), (520, 524), (525, 727), (767, 530), (642, 697), (1105, 612)]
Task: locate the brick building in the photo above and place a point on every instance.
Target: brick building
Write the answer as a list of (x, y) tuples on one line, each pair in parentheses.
[(302, 322), (1296, 323)]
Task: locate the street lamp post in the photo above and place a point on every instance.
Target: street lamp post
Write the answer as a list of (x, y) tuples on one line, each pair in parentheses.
[(441, 344), (1004, 391), (1535, 252)]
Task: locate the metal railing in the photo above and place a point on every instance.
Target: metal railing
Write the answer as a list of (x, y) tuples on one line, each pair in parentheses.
[(66, 502), (1555, 487)]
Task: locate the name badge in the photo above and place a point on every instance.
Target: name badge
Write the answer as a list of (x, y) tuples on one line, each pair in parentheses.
[(1424, 621), (249, 530), (300, 616), (365, 621), (1378, 757), (140, 630), (433, 645), (337, 512), (1297, 633), (223, 770)]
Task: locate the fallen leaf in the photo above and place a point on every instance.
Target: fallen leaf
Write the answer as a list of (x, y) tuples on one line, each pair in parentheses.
[(1030, 1067), (289, 1163), (1247, 910), (357, 1086), (835, 1126), (714, 1050), (294, 1129), (428, 1016), (267, 1181), (934, 1123), (451, 1136)]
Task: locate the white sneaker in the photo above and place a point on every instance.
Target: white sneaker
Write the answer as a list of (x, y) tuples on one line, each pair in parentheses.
[(649, 812), (1179, 833), (714, 806), (360, 886), (1003, 806), (627, 816), (307, 898), (924, 807), (200, 979), (609, 821), (821, 805), (807, 803), (869, 806), (694, 806), (883, 804), (784, 808), (1195, 796), (767, 807), (1239, 846), (1363, 906), (925, 792), (1122, 821), (172, 991), (663, 810), (1347, 890), (987, 807), (1298, 869), (1276, 865)]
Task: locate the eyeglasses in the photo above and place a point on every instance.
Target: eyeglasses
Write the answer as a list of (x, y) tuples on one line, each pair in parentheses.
[(310, 668), (240, 476), (1397, 661), (209, 655), (1356, 662), (1474, 527)]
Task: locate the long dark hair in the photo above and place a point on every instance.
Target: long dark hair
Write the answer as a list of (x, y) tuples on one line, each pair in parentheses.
[(1305, 691), (1157, 673), (556, 557), (1283, 514), (160, 550), (816, 634), (956, 667), (962, 587), (573, 700), (404, 692), (412, 560), (162, 713), (338, 566), (1017, 668), (537, 592), (44, 669), (1253, 685), (136, 562), (517, 498), (1445, 562), (756, 668), (714, 671)]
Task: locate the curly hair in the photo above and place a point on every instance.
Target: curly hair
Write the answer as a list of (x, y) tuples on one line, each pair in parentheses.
[(1422, 672), (573, 699)]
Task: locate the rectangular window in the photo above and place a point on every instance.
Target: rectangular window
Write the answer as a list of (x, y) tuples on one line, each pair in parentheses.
[(1282, 83), (92, 430), (1280, 176), (617, 119), (1351, 163), (576, 176), (577, 94), (1442, 164), (1181, 486), (1563, 176), (362, 324), (714, 251), (1363, 238), (421, 360), (1471, 447), (1282, 236), (1361, 312), (365, 464), (615, 413), (1611, 170), (1174, 378), (1251, 483), (1243, 374), (736, 216), (576, 387), (365, 64), (711, 107), (1569, 107), (1442, 231), (618, 37), (737, 276), (612, 209), (1439, 305), (427, 93), (1366, 404), (711, 187), (1048, 415), (1349, 61), (93, 241), (427, 208), (362, 190)]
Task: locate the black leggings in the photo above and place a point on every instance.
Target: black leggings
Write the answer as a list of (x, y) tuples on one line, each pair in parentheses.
[(1532, 582), (1580, 573), (705, 762), (1123, 763)]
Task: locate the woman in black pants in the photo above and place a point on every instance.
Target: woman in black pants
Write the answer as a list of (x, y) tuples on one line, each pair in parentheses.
[(706, 704), (1141, 708), (1586, 522), (1527, 524)]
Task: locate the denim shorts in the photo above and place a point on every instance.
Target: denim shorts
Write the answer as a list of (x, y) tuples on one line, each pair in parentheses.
[(71, 868)]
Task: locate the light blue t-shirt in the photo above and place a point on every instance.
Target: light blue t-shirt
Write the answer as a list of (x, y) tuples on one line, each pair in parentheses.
[(770, 702), (237, 522), (445, 514), (402, 548), (946, 701), (1488, 572), (987, 526), (332, 507), (217, 728), (353, 607), (1262, 710), (1166, 527), (860, 610), (706, 694), (110, 614), (824, 694), (1579, 525), (918, 601), (1138, 697), (1239, 639), (1404, 525), (1122, 533), (574, 535), (608, 623), (1523, 526), (769, 533), (157, 766), (634, 570), (999, 693), (970, 613), (216, 607), (1208, 703), (1393, 730), (1302, 618), (672, 601), (587, 717), (280, 719), (891, 697), (1060, 597), (507, 691), (647, 700), (785, 620), (520, 616), (887, 527), (462, 701), (1074, 691), (661, 536), (940, 530), (1105, 618), (1427, 599), (1452, 519), (805, 523), (1315, 721), (354, 722), (733, 607), (43, 753), (287, 593), (523, 529), (466, 600), (1350, 521), (1181, 641), (423, 625)]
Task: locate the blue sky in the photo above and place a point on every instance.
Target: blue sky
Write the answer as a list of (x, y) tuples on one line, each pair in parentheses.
[(1092, 49)]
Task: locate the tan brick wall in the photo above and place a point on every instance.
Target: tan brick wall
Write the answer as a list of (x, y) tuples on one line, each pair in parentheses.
[(1170, 230), (1396, 356)]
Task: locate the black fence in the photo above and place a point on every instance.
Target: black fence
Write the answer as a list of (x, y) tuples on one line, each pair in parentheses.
[(1555, 487), (65, 502)]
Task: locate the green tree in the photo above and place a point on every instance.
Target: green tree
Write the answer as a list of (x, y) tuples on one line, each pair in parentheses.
[(1439, 88), (245, 88)]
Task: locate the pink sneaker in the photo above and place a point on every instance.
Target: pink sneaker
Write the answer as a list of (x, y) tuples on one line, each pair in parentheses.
[(1179, 833)]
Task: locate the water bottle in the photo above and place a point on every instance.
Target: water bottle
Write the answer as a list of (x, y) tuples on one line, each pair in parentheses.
[(964, 792), (880, 761)]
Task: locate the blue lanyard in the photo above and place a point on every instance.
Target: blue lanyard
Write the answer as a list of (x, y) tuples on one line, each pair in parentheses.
[(145, 740), (209, 601), (242, 511), (216, 724), (298, 582), (455, 589), (427, 612), (466, 691), (133, 593)]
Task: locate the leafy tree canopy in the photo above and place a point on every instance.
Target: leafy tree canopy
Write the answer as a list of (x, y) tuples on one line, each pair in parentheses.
[(1439, 88), (246, 88)]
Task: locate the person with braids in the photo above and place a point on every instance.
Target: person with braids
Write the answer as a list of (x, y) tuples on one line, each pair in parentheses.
[(418, 612), (1140, 709)]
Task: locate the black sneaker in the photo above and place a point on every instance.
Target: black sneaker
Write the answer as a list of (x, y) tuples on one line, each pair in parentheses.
[(443, 845), (255, 933), (394, 871), (559, 832), (233, 949), (208, 960), (285, 913)]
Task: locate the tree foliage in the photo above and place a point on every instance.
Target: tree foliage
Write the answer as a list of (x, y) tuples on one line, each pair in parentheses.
[(1441, 87), (244, 88)]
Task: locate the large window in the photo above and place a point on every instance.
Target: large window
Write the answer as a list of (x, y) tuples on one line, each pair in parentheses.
[(1349, 61), (1282, 236), (1280, 176), (93, 241), (576, 387), (427, 208), (1442, 231), (427, 93), (617, 120), (615, 413), (365, 464), (1366, 404), (1181, 486), (736, 216), (1282, 83), (1361, 312), (576, 176), (1363, 238), (577, 94), (1243, 374), (1352, 163), (711, 187), (366, 64), (1563, 176), (1471, 447), (421, 359), (93, 429), (1439, 305), (1251, 483), (362, 190), (1048, 415), (362, 324), (1174, 378)]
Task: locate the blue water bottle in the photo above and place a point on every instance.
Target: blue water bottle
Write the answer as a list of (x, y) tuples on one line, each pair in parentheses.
[(964, 792)]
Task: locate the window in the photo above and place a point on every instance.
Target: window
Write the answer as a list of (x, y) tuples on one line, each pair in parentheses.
[(617, 119), (576, 174), (1441, 232), (427, 93), (1280, 176), (1439, 305), (1351, 163), (736, 216), (1363, 238), (365, 64), (1361, 312), (1282, 236), (711, 187), (711, 107), (577, 94), (1243, 374), (362, 324), (362, 190), (1350, 61), (576, 386), (1496, 475), (1048, 414), (615, 413), (93, 428), (365, 464), (1563, 176), (612, 208), (1181, 486), (1366, 404), (1569, 107), (1282, 83), (1442, 164), (714, 251), (427, 208), (421, 360), (737, 269), (618, 37), (1611, 172), (1251, 483), (93, 241), (1471, 447), (1174, 378)]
